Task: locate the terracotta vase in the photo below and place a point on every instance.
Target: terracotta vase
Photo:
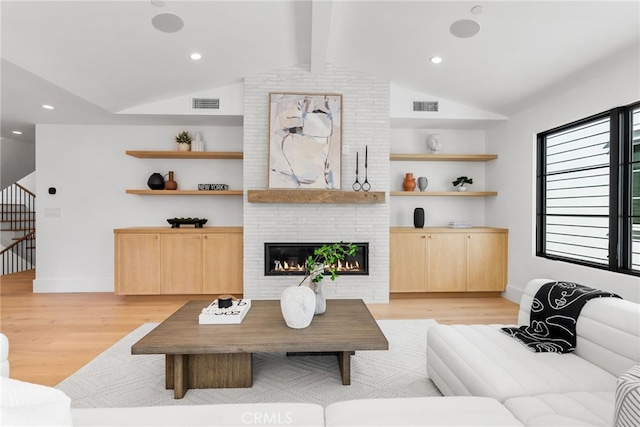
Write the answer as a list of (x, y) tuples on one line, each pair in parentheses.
[(170, 184), (409, 183)]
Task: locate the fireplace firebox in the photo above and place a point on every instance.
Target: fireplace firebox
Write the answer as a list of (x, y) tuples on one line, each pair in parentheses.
[(287, 259)]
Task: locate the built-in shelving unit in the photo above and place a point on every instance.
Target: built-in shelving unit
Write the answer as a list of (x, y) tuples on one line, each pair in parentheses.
[(315, 196), (185, 154), (444, 157), (224, 155)]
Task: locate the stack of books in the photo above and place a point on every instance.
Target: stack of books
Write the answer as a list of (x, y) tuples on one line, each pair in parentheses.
[(459, 224), (214, 315)]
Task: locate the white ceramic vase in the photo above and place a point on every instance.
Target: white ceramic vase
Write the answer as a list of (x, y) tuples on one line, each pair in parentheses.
[(321, 301), (298, 305)]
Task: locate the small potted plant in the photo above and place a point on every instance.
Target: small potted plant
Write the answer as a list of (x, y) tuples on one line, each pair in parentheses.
[(184, 141), (461, 181)]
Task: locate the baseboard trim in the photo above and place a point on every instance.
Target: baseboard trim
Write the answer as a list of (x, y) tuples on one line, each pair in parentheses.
[(70, 285)]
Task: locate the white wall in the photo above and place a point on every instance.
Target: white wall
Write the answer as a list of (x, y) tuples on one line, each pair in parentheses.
[(17, 160), (513, 175), (88, 167)]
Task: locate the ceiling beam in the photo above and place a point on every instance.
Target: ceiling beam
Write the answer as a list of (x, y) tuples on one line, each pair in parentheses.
[(320, 26)]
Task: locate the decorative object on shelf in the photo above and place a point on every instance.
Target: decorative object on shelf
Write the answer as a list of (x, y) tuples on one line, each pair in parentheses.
[(177, 222), (224, 310), (170, 184), (461, 181), (305, 141), (295, 303), (216, 187), (459, 224), (423, 182), (418, 218), (156, 181), (365, 186), (198, 143), (434, 142), (409, 183), (184, 141)]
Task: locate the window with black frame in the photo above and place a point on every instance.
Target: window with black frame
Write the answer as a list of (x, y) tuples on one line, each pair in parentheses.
[(588, 191)]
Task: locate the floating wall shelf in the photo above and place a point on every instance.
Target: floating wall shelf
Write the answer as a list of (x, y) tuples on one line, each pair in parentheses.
[(185, 154), (444, 157), (186, 192), (444, 193), (316, 196)]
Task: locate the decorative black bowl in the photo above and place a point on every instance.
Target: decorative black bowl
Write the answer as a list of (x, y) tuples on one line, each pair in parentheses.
[(177, 222)]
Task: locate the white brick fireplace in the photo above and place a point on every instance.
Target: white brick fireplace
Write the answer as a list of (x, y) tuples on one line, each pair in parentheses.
[(365, 122)]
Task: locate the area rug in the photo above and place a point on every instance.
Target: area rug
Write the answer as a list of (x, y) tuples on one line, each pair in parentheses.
[(116, 378)]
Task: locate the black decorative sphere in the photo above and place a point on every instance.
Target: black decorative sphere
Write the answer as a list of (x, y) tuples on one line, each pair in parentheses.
[(156, 182)]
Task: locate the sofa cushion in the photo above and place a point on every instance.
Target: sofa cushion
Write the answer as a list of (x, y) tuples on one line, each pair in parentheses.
[(27, 404), (4, 355), (608, 330), (480, 360), (420, 411), (627, 402), (563, 409), (240, 414)]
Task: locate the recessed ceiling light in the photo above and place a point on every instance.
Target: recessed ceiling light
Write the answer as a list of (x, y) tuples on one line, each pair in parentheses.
[(47, 106), (465, 28), (477, 10), (195, 56), (167, 22), (436, 59), (16, 132), (157, 3)]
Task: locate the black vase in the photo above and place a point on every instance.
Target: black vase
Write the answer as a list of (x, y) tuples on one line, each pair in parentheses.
[(418, 218), (156, 182)]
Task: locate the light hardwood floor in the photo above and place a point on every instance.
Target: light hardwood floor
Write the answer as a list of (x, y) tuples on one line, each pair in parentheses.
[(53, 335)]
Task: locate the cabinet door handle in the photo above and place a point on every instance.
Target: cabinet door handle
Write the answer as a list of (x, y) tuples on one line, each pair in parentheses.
[(470, 237), (431, 237)]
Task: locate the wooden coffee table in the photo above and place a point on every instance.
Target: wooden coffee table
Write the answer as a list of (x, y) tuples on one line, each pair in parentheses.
[(220, 356)]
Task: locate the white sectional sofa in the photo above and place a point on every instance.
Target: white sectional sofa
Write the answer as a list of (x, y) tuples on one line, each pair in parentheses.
[(541, 388), (487, 377)]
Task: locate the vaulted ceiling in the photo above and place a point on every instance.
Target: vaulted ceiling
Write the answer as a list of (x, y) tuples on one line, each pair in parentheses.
[(92, 59)]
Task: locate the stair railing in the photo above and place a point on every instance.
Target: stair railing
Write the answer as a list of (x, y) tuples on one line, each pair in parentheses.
[(17, 214), (20, 255), (17, 207)]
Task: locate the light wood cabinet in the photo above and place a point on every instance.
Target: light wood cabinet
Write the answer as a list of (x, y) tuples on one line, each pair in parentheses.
[(448, 260), (151, 260), (407, 250), (181, 263), (137, 266), (222, 265)]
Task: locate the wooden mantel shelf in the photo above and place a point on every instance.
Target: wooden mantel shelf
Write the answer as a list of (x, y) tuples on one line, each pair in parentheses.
[(316, 196)]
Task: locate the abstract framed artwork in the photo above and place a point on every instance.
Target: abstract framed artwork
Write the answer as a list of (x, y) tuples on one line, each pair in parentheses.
[(305, 141)]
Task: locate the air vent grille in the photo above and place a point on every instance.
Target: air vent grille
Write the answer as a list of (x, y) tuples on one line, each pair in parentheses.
[(425, 105), (205, 103)]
